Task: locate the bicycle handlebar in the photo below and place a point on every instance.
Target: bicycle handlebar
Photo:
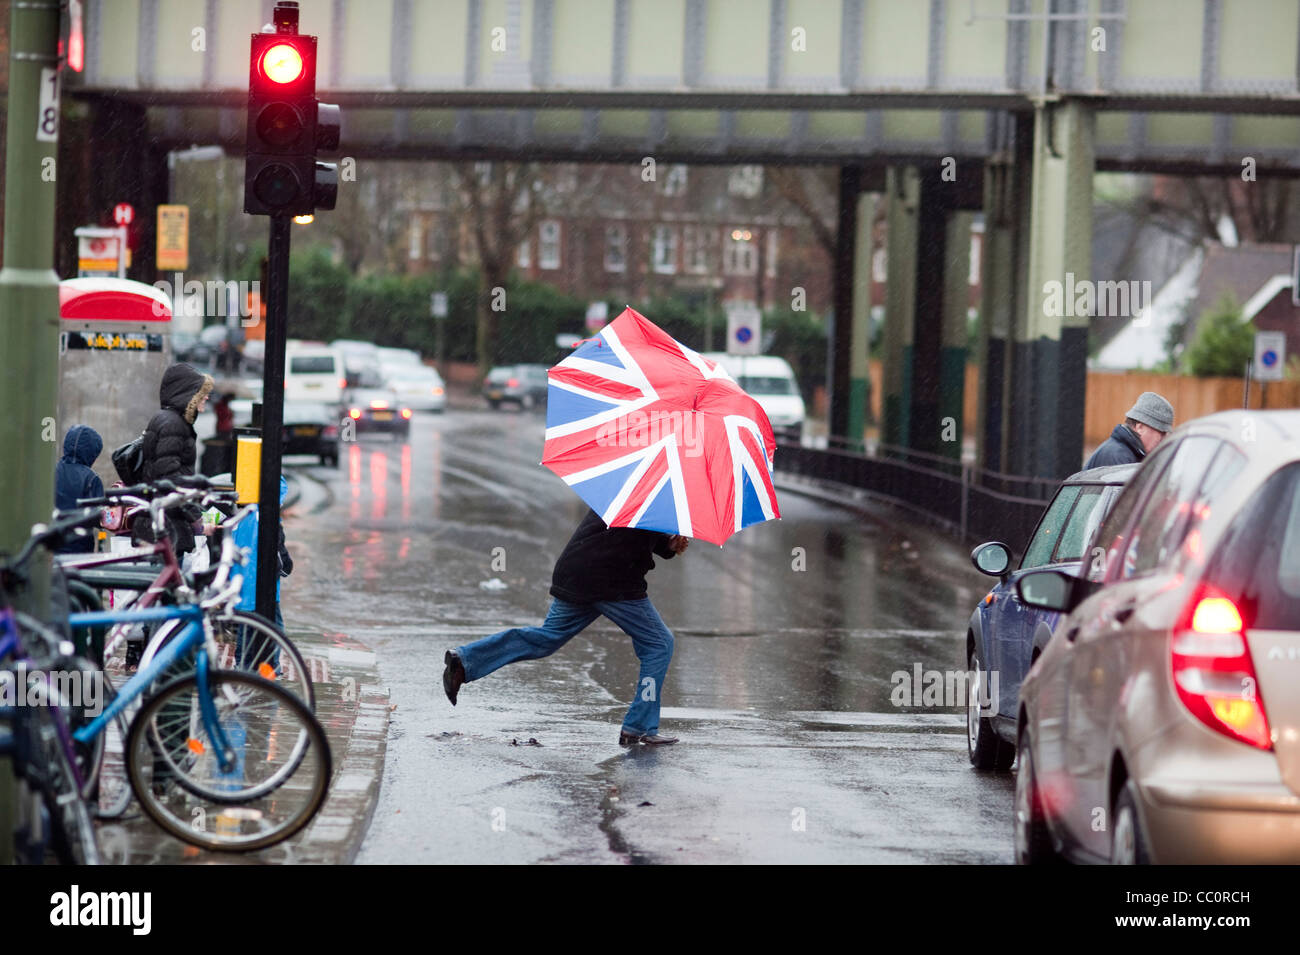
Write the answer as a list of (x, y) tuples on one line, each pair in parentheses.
[(53, 534)]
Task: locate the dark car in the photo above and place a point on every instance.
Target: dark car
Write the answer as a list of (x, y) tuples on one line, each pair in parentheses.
[(1004, 636), (311, 428), (521, 385)]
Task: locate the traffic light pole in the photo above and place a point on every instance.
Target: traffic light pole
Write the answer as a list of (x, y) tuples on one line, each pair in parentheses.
[(268, 505)]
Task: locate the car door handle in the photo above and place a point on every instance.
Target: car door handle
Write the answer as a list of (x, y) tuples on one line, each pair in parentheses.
[(1120, 615)]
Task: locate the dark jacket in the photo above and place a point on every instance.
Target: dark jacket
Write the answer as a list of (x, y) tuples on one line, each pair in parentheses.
[(606, 563), (170, 440), (1122, 447), (73, 478)]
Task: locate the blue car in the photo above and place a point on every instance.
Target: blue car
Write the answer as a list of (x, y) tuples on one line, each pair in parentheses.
[(1005, 637)]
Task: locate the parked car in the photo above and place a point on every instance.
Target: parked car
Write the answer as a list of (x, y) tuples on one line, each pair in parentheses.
[(398, 356), (417, 386), (313, 372), (189, 347), (770, 381), (1162, 722), (521, 385), (1004, 636), (375, 407), (311, 428)]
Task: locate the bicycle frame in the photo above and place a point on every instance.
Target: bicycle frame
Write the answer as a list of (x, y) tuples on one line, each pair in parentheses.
[(192, 638)]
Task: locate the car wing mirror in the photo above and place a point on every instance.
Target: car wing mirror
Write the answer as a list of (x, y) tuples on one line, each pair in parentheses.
[(1054, 590), (992, 558)]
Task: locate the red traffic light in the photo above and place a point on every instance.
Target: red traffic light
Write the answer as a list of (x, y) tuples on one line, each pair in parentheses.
[(282, 63)]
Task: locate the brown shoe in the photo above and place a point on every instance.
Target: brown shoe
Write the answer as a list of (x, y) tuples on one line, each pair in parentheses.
[(453, 676), (632, 739)]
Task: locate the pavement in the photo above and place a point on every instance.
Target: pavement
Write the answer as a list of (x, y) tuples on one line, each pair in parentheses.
[(353, 708)]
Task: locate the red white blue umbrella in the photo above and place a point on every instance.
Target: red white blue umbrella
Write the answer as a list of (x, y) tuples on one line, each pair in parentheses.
[(653, 435)]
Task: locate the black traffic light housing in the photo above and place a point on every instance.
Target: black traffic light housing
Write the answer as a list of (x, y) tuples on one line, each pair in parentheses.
[(286, 125)]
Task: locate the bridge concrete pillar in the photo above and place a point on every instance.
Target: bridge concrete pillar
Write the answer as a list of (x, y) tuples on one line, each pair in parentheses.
[(1004, 263), (1049, 356), (903, 192), (127, 168), (839, 414), (859, 367), (924, 340)]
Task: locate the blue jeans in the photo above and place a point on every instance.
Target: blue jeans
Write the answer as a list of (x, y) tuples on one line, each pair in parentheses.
[(652, 641)]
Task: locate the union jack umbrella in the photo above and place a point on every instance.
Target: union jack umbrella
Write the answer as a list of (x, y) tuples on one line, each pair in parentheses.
[(653, 435)]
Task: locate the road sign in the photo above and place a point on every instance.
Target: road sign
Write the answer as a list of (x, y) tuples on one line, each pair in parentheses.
[(597, 316), (101, 252), (173, 251), (438, 304), (744, 329), (1270, 356), (123, 213)]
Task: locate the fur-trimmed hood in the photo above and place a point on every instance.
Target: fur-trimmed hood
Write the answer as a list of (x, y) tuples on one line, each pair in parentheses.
[(182, 388)]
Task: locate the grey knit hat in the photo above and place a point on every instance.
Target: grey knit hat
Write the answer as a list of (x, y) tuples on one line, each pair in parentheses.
[(1153, 411)]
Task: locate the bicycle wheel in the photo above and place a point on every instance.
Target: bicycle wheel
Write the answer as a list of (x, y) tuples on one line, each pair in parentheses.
[(49, 771), (249, 642), (279, 780), (106, 786)]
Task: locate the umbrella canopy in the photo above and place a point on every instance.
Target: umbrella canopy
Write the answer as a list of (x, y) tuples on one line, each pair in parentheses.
[(653, 435)]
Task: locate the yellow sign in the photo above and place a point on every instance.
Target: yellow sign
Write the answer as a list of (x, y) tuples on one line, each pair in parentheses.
[(173, 238), (248, 468)]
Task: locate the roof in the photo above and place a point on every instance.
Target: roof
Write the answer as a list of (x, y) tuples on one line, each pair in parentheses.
[(1110, 474)]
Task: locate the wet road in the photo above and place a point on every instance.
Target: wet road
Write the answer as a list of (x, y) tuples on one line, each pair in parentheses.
[(779, 689)]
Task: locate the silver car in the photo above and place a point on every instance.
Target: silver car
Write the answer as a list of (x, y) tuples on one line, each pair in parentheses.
[(1162, 721)]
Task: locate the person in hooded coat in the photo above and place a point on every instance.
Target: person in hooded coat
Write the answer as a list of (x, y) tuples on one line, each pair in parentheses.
[(74, 479), (170, 442)]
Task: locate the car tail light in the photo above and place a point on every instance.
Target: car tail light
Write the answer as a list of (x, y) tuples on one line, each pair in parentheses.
[(512, 383), (406, 412), (354, 414), (436, 390), (379, 403), (1213, 671), (330, 431), (343, 382)]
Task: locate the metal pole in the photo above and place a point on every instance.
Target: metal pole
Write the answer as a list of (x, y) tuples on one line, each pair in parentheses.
[(29, 308), (268, 498), (1245, 398)]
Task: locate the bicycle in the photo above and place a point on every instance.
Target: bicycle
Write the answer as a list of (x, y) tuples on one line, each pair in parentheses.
[(246, 640), (51, 809), (215, 742)]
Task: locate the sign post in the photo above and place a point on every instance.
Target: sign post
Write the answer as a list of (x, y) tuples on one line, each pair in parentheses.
[(1270, 361), (438, 308)]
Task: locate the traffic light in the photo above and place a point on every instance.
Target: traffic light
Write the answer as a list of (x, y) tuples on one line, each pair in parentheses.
[(286, 125)]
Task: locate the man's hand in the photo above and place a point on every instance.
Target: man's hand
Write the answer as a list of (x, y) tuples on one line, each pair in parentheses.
[(677, 543)]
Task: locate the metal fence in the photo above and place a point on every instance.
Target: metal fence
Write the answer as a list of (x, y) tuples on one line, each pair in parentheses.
[(974, 503)]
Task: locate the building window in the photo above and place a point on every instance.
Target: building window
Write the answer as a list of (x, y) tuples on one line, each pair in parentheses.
[(745, 181), (524, 257), (740, 255), (548, 245), (665, 249), (698, 240), (616, 248), (417, 237), (769, 267), (879, 265), (976, 246), (675, 181)]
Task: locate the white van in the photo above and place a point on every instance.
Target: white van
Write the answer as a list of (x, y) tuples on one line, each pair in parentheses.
[(769, 381), (313, 372)]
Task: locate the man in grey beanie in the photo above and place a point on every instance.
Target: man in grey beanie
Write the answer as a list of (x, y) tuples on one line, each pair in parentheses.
[(1145, 425)]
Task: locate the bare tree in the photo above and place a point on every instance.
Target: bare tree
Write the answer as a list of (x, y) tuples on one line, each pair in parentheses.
[(813, 191), (503, 202)]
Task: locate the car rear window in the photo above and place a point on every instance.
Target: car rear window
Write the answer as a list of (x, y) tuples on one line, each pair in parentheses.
[(766, 385), (312, 365), (1257, 564), (499, 375)]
